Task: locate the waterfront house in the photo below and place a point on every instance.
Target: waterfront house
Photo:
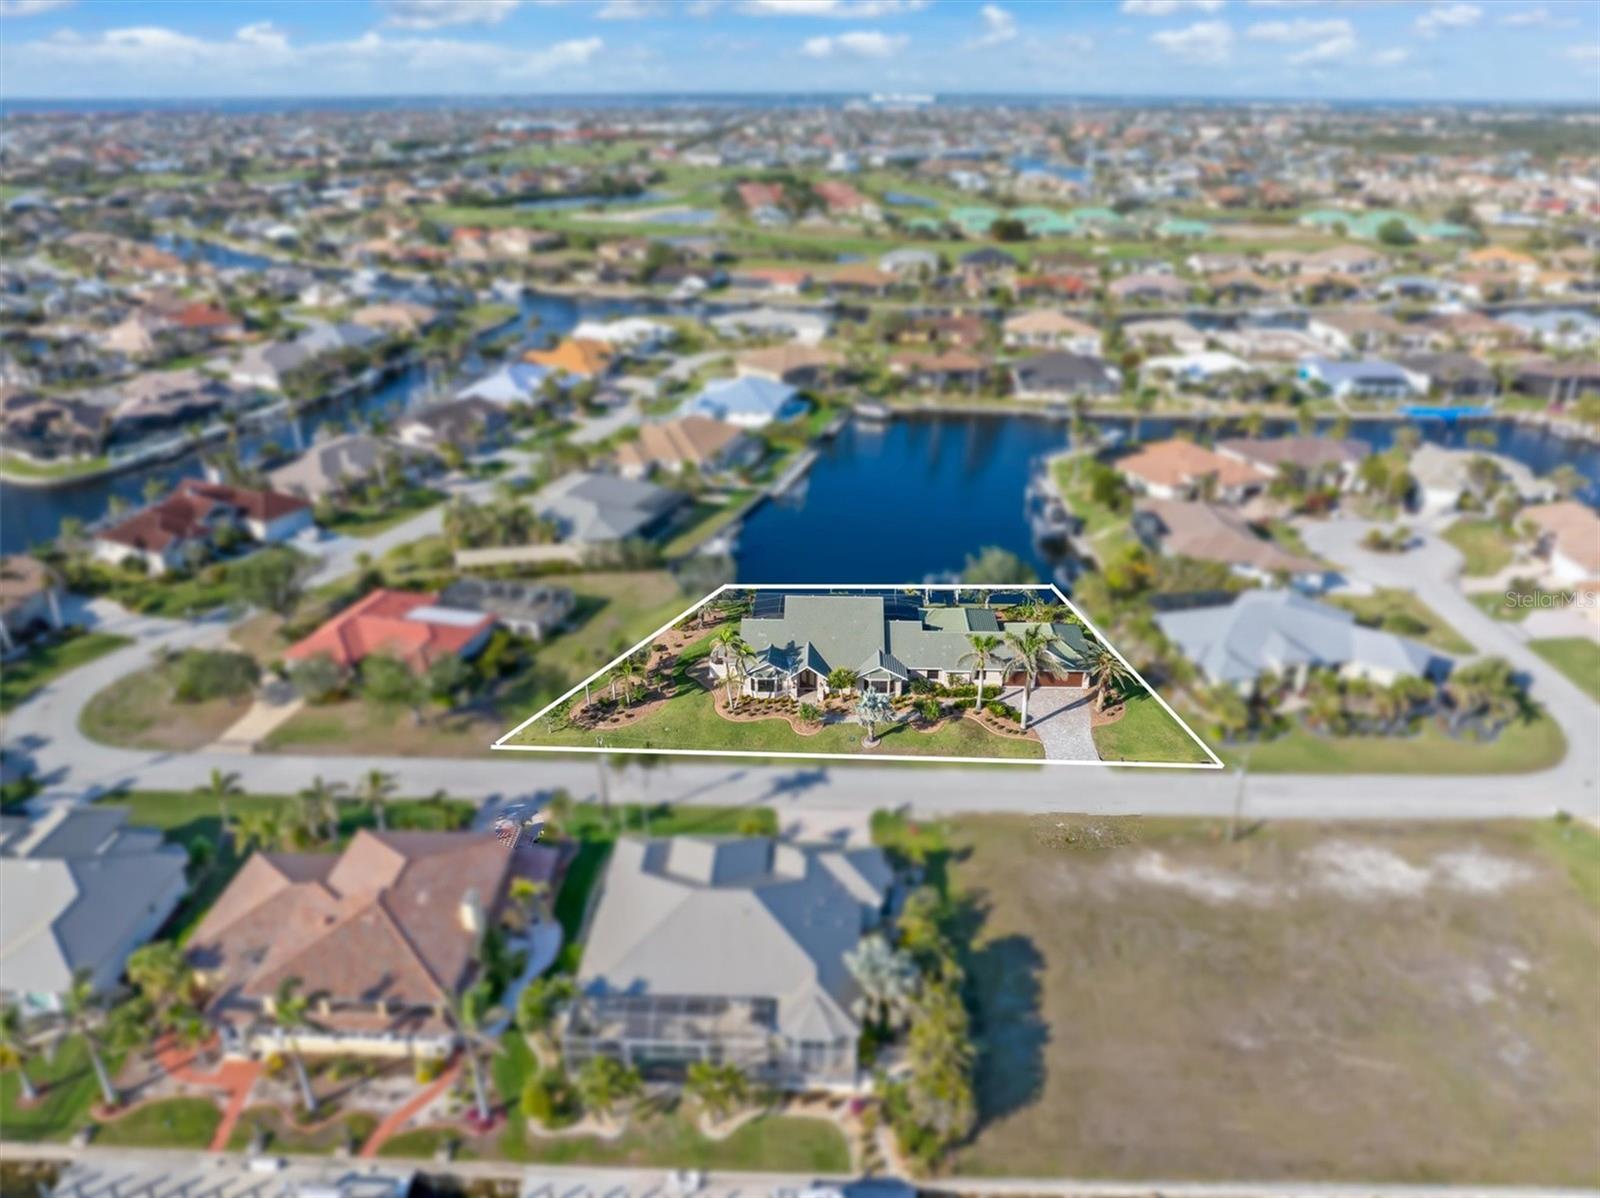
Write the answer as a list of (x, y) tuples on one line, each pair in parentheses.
[(888, 644), (709, 446), (332, 467), (79, 890), (1178, 469), (1045, 328), (1450, 375), (411, 626), (591, 508), (805, 328), (30, 600), (570, 356), (384, 937), (513, 383), (730, 951), (1213, 533), (1164, 336), (939, 370), (470, 424), (1369, 378), (1058, 376), (1568, 538), (1444, 476), (1556, 380), (1312, 461), (166, 535), (751, 402), (795, 365), (1286, 634)]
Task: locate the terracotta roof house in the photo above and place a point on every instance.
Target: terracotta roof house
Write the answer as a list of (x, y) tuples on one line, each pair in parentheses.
[(1214, 533), (29, 599), (796, 365), (1309, 457), (861, 278), (1569, 538), (951, 368), (1044, 328), (162, 535), (1149, 288), (413, 627), (383, 937), (1181, 470), (586, 359), (729, 950), (708, 445)]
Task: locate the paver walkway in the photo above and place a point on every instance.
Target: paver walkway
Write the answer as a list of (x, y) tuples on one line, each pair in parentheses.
[(238, 1078), (1060, 715), (396, 1121)]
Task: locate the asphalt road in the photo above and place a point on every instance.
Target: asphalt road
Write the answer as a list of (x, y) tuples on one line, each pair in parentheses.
[(45, 730)]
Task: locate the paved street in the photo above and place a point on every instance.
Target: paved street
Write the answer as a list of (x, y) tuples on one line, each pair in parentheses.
[(45, 729)]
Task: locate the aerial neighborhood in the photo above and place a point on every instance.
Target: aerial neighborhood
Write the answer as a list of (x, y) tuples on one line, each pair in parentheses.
[(1247, 442)]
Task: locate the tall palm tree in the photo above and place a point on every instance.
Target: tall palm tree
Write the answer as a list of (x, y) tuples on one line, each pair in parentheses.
[(15, 1050), (317, 807), (78, 1007), (1107, 672), (291, 1014), (887, 978), (720, 1089), (221, 786), (258, 830), (376, 788), (467, 1015), (982, 655), (604, 1082), (728, 647), (1028, 649)]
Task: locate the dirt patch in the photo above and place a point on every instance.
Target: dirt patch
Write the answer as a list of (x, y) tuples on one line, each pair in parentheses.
[(1099, 718), (748, 714), (1395, 1003)]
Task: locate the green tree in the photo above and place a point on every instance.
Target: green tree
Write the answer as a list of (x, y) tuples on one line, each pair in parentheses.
[(1107, 673), (605, 1083), (273, 578), (719, 1089), (872, 709), (160, 973), (390, 683), (291, 1012), (887, 978), (80, 1006), (221, 786), (15, 1050), (1028, 652), (377, 787), (994, 566), (316, 679), (985, 647), (317, 808)]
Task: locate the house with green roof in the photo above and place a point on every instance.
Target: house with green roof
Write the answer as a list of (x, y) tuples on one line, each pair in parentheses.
[(974, 221), (1182, 229), (796, 640)]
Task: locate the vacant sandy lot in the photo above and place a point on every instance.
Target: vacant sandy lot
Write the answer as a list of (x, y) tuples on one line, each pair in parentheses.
[(1402, 1004)]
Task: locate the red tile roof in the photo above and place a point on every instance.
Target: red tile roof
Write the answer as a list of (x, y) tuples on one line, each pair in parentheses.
[(379, 623)]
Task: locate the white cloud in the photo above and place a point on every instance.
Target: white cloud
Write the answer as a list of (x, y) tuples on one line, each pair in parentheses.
[(30, 8), (1320, 41), (1391, 57), (1536, 18), (1448, 16), (1165, 8), (264, 34), (849, 10), (998, 26), (1209, 43), (1586, 53), (436, 14), (630, 10), (861, 43)]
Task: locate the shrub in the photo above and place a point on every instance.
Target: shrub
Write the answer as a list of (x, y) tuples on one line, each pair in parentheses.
[(317, 679), (809, 713), (427, 1069), (202, 674), (929, 709), (549, 1099)]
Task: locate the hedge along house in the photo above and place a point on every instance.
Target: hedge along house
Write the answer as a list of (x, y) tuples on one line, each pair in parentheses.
[(889, 642)]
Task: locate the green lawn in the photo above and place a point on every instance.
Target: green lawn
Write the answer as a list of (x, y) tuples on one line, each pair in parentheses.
[(170, 1123), (283, 1136), (1146, 733), (25, 468), (1485, 547), (67, 1087), (423, 1143), (614, 612), (141, 711), (1575, 656), (1519, 749), (771, 1143), (703, 522), (45, 663), (1403, 614), (369, 519)]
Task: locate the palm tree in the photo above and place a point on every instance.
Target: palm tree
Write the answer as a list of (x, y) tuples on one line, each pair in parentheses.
[(604, 1082), (540, 1000), (728, 647), (220, 787), (982, 656), (1028, 650), (78, 1005), (873, 708), (1107, 672), (258, 830), (317, 808), (376, 787), (467, 1015), (290, 1009), (15, 1050), (160, 973), (887, 977), (720, 1089)]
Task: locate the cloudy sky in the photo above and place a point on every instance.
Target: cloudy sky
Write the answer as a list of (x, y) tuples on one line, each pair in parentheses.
[(1442, 49)]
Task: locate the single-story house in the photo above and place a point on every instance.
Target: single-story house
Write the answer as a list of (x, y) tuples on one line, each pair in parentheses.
[(194, 514), (1315, 459), (626, 332), (470, 424), (515, 382), (1450, 375), (384, 937), (1214, 533), (329, 467), (592, 508), (414, 627), (30, 599), (1195, 369), (1179, 469), (1369, 378), (1444, 475), (1044, 328), (940, 369), (887, 644), (750, 402), (580, 359), (1181, 336), (1285, 633), (534, 609), (79, 890), (1569, 539), (807, 328), (795, 365), (709, 446), (730, 951), (1058, 375)]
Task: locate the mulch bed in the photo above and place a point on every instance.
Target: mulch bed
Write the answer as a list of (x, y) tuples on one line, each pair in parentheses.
[(1099, 719)]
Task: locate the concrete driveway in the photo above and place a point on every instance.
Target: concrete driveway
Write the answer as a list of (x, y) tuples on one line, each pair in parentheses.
[(1060, 715)]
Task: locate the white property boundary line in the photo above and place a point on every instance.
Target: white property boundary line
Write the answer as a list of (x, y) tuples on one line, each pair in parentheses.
[(1214, 763)]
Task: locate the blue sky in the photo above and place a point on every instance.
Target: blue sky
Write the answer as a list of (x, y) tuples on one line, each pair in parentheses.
[(1336, 49)]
